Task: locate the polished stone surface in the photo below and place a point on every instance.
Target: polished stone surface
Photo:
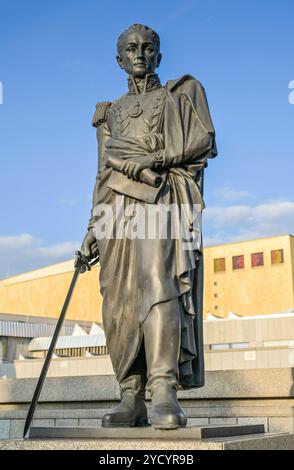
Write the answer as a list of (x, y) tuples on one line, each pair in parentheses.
[(189, 432)]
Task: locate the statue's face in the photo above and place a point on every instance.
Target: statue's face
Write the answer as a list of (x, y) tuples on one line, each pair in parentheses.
[(138, 55)]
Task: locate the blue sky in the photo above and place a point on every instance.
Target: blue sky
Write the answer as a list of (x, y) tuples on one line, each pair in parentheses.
[(57, 59)]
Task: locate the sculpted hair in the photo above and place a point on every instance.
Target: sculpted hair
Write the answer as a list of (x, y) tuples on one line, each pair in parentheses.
[(138, 27)]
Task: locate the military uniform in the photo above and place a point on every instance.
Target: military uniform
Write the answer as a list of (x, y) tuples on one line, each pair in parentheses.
[(138, 276)]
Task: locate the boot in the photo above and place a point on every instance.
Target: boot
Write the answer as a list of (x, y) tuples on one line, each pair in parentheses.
[(166, 411), (162, 336), (130, 412)]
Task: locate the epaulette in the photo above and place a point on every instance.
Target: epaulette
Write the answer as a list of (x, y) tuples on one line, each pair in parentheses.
[(100, 114)]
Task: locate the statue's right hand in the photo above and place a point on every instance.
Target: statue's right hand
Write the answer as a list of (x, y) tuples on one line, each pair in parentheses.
[(89, 246)]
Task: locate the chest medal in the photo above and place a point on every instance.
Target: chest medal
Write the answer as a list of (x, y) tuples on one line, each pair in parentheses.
[(136, 110)]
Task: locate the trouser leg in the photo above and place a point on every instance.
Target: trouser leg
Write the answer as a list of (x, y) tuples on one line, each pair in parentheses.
[(162, 336), (132, 410), (135, 378)]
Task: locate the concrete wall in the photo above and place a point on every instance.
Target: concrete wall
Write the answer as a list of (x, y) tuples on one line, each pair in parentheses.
[(259, 359), (243, 343), (11, 348), (256, 331), (59, 367), (229, 397), (97, 366)]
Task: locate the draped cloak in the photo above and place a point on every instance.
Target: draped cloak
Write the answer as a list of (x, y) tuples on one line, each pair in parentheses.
[(136, 274)]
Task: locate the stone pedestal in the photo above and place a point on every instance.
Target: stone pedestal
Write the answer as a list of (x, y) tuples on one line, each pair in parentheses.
[(250, 442), (263, 396), (189, 432)]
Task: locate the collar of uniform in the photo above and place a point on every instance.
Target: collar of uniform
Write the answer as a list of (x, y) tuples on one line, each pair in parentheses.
[(143, 85)]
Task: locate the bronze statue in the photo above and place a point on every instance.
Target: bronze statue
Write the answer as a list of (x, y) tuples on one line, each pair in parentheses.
[(153, 144)]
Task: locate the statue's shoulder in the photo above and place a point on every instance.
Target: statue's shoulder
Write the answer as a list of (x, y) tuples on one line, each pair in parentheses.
[(121, 100), (101, 113), (185, 81)]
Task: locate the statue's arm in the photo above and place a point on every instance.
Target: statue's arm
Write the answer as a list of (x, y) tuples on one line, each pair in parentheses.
[(103, 134), (193, 142), (199, 135)]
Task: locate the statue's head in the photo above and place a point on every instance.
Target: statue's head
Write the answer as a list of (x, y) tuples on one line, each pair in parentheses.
[(138, 50)]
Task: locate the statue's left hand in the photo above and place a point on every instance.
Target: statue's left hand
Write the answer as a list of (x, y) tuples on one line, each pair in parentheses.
[(89, 246), (135, 164)]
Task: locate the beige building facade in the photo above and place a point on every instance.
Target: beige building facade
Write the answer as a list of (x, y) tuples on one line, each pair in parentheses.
[(41, 293), (252, 277)]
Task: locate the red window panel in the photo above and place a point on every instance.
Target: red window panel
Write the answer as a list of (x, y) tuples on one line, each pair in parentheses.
[(238, 262), (257, 259)]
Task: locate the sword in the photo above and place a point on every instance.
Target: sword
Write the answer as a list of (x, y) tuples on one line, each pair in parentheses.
[(82, 264)]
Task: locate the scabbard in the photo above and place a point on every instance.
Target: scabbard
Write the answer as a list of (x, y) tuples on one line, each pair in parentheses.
[(81, 266)]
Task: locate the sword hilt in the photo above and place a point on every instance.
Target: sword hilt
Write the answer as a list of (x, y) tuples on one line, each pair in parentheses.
[(83, 263)]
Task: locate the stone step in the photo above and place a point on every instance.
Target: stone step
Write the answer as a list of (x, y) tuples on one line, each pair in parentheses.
[(12, 422), (189, 432), (223, 384), (249, 442)]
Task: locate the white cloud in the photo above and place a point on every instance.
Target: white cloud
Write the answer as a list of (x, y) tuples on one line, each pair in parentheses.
[(19, 241), (275, 211), (25, 252), (231, 194), (226, 216), (236, 222), (216, 239), (68, 202), (221, 224)]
